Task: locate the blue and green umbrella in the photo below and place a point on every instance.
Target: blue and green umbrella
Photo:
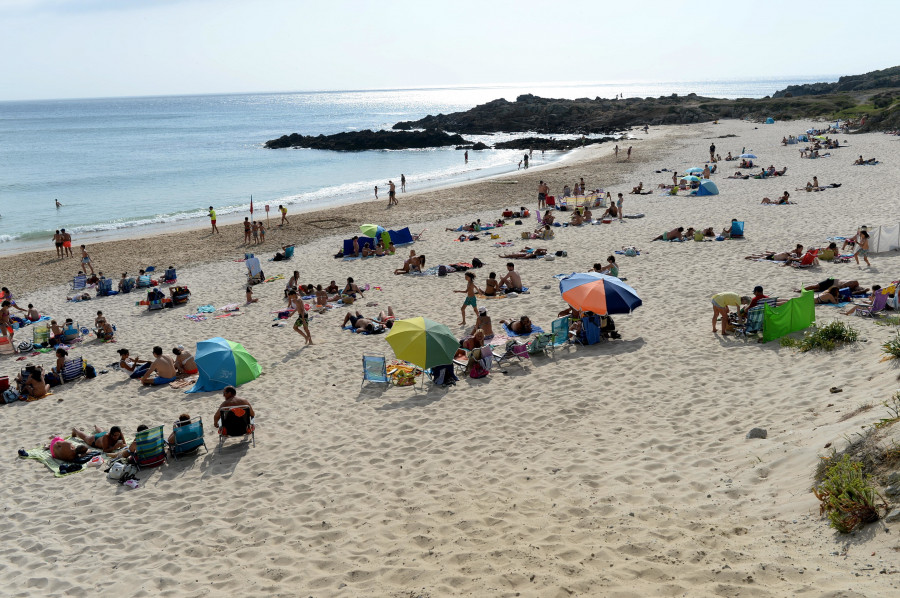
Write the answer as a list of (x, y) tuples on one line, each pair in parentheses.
[(223, 363)]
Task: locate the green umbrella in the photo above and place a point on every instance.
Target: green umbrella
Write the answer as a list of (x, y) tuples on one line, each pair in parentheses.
[(422, 342), (371, 230)]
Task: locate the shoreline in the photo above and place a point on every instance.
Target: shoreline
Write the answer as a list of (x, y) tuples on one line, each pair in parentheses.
[(191, 244)]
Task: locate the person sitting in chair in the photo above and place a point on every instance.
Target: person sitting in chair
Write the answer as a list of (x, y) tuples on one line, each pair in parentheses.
[(231, 400), (183, 420)]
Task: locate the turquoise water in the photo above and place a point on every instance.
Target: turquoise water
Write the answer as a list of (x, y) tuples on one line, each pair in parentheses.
[(133, 163)]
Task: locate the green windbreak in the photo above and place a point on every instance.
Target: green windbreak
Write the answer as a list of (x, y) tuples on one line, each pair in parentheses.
[(796, 314)]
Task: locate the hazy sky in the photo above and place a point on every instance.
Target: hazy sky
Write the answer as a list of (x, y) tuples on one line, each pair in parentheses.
[(100, 48)]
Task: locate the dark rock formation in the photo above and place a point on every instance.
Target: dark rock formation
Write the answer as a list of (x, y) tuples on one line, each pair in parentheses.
[(885, 78), (368, 140), (540, 143)]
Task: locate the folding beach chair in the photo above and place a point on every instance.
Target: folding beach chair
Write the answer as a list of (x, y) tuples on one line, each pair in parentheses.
[(155, 300), (128, 285), (180, 295), (79, 282), (254, 271), (374, 370), (288, 252), (72, 369), (104, 287), (879, 302), (737, 230), (171, 276), (188, 437), (513, 350), (143, 281), (809, 260), (236, 423), (550, 200), (40, 334), (559, 331), (70, 333), (150, 449), (541, 343)]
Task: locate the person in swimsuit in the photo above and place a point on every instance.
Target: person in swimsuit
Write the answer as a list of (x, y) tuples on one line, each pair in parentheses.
[(212, 220), (863, 249), (67, 243), (184, 362), (246, 230), (832, 295), (491, 286), (301, 325), (183, 420), (672, 235), (63, 450), (470, 291), (352, 289), (86, 261), (483, 323), (58, 242), (105, 441), (133, 365), (826, 284), (521, 326), (164, 368), (512, 280)]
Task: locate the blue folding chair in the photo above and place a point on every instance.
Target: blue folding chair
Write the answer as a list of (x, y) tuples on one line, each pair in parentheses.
[(374, 370), (560, 331), (104, 287), (79, 282), (188, 437), (737, 230)]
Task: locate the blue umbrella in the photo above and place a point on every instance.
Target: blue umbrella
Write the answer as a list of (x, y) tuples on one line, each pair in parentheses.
[(693, 170), (748, 156), (223, 363), (599, 293)]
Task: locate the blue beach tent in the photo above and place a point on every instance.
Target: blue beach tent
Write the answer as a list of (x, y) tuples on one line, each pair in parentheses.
[(401, 237), (770, 121), (707, 188)]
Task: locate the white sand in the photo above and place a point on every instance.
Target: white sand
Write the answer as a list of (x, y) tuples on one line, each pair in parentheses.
[(620, 469)]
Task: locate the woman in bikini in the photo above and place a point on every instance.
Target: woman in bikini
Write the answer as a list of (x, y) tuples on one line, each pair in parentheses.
[(105, 441), (184, 362), (490, 285)]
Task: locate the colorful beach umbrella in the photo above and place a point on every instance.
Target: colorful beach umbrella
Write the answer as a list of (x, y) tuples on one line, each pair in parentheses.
[(690, 177), (371, 230), (599, 293), (693, 170), (422, 342), (748, 156), (223, 363)]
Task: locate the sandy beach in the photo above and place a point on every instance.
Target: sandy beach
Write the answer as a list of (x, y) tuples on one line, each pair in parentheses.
[(619, 469)]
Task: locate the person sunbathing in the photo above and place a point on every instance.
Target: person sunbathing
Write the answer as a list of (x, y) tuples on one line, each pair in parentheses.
[(184, 361), (491, 286), (774, 256), (163, 367), (781, 201), (865, 303), (65, 450), (352, 289), (473, 342), (577, 219), (527, 254), (780, 172), (672, 235), (411, 262), (522, 326), (35, 387), (612, 212), (483, 323), (588, 215), (826, 284), (105, 441), (183, 420), (362, 324), (548, 218), (832, 295), (738, 175), (132, 364), (709, 232), (637, 190)]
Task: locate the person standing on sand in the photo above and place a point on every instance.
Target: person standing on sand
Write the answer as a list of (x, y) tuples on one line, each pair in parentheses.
[(246, 230), (301, 325), (392, 194), (616, 150), (862, 248), (720, 303), (212, 220), (403, 183), (712, 152), (619, 206), (57, 240), (376, 192), (466, 155), (283, 211), (262, 233), (470, 291), (86, 261), (525, 159), (629, 153), (542, 195), (67, 243)]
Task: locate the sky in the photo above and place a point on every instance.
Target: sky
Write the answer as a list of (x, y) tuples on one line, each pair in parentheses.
[(112, 48)]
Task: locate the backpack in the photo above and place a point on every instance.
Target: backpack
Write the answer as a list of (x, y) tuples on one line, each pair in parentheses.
[(10, 396), (477, 263), (476, 371), (90, 371), (442, 271), (121, 471)]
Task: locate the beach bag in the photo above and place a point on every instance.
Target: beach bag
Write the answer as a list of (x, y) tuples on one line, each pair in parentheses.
[(121, 472), (518, 222), (89, 371), (10, 395), (25, 346), (442, 271), (477, 263), (476, 371)]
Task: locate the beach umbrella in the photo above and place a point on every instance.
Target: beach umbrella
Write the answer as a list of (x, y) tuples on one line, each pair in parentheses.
[(748, 156), (810, 131), (693, 170), (223, 363), (422, 342), (690, 178), (706, 188), (371, 230), (822, 137), (599, 293)]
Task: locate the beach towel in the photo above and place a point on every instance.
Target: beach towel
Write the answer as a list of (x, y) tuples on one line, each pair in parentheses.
[(231, 307), (32, 399), (184, 382), (534, 330), (206, 309), (42, 455), (274, 278), (195, 318), (503, 244)]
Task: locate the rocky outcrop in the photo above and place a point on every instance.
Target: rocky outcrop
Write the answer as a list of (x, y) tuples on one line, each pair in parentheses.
[(882, 79), (368, 140), (540, 143)]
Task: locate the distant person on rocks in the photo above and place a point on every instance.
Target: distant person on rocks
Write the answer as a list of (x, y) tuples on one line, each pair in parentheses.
[(212, 220)]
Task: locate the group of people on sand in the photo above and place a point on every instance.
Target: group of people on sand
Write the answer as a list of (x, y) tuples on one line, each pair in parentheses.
[(861, 162), (510, 283), (162, 369), (359, 323), (256, 230), (691, 233), (765, 173), (112, 441), (62, 240), (368, 251)]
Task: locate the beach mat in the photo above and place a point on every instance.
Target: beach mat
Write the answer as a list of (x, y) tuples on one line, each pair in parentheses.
[(42, 455), (534, 330)]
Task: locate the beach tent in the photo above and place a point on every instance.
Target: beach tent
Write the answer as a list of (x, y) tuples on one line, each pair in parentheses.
[(797, 314), (770, 121), (707, 188), (223, 363), (884, 238), (401, 237), (363, 241)]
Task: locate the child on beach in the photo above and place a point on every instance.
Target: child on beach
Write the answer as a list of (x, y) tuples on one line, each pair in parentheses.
[(301, 325), (262, 233), (255, 230), (863, 249), (470, 291), (250, 297)]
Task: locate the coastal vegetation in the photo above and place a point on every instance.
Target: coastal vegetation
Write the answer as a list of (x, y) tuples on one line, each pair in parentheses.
[(826, 338)]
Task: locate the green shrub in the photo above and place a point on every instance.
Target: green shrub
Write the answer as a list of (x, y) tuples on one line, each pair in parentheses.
[(892, 347), (826, 338), (847, 495)]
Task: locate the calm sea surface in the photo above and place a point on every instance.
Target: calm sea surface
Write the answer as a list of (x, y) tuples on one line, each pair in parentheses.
[(126, 165)]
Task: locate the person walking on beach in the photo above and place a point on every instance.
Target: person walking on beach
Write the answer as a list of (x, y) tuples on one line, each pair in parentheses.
[(712, 152), (262, 232), (862, 248), (67, 243), (525, 159), (246, 230), (283, 211), (301, 325), (619, 206), (629, 153), (58, 242), (86, 261), (616, 150), (402, 183), (376, 192), (392, 194), (542, 195), (470, 291), (212, 220), (466, 155)]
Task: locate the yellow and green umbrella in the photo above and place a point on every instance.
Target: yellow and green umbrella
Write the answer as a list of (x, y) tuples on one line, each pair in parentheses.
[(422, 342)]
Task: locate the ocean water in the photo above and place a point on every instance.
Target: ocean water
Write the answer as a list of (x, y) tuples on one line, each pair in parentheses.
[(125, 165)]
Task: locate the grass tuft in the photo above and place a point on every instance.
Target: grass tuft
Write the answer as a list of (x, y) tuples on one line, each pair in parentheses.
[(826, 338), (846, 495), (892, 347)]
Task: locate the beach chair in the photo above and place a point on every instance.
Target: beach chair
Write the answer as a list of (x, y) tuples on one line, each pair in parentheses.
[(541, 343), (754, 322), (809, 260), (180, 295), (104, 287), (374, 370), (150, 449), (879, 302), (144, 282), (171, 276), (513, 350), (70, 333), (254, 271), (128, 285), (550, 200), (559, 332), (288, 252), (236, 423), (79, 282), (188, 437), (155, 300), (40, 334), (591, 332), (737, 230), (72, 369), (6, 347)]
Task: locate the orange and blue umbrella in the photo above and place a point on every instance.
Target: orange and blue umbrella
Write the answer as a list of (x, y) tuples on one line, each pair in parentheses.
[(598, 293)]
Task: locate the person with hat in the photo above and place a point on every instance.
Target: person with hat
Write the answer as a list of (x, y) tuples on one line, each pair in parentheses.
[(483, 322)]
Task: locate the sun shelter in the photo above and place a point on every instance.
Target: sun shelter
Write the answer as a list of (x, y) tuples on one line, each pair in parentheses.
[(770, 121), (884, 238), (401, 237), (797, 314), (706, 188), (223, 363)]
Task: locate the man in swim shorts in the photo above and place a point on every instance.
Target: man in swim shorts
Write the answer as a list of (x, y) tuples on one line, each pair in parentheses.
[(105, 441), (86, 261), (67, 242), (164, 368), (212, 219)]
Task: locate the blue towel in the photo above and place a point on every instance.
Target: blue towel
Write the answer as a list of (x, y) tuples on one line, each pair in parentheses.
[(206, 309), (534, 330)]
